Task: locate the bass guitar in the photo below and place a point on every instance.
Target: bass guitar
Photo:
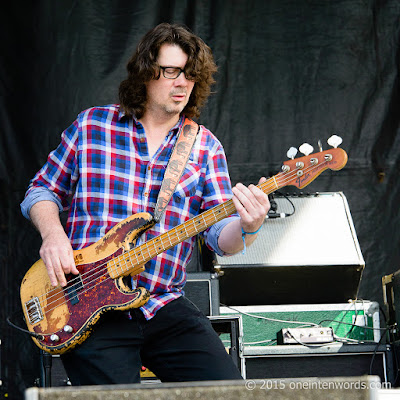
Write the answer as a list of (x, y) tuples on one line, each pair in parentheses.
[(59, 318)]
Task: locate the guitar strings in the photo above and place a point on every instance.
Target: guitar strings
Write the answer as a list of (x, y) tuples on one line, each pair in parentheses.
[(270, 184), (100, 268), (126, 258)]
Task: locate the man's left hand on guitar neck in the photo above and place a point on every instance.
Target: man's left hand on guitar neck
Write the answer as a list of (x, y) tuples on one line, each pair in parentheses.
[(252, 205)]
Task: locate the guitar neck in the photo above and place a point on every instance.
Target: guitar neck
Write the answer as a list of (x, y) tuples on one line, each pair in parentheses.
[(150, 249), (297, 172)]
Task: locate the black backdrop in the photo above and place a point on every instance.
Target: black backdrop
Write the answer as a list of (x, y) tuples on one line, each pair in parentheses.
[(290, 71)]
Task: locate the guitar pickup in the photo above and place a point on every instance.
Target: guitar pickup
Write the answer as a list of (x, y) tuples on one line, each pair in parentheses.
[(72, 289), (34, 310)]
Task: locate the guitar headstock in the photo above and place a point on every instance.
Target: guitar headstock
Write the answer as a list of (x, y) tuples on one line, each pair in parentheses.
[(302, 171)]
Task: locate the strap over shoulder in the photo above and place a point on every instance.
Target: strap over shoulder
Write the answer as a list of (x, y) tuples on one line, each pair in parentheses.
[(176, 165)]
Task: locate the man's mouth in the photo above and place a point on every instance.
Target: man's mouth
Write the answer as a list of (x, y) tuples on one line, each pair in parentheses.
[(178, 96)]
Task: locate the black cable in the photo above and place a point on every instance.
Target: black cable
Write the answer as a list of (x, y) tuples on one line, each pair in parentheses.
[(33, 334), (290, 201), (273, 213), (375, 351)]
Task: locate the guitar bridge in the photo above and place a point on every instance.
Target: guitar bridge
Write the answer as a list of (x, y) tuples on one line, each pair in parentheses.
[(33, 310)]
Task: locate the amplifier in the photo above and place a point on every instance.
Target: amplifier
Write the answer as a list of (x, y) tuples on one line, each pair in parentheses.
[(52, 371), (312, 256), (202, 289), (391, 298)]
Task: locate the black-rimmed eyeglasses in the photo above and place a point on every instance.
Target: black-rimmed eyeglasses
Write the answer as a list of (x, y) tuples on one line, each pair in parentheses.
[(171, 72)]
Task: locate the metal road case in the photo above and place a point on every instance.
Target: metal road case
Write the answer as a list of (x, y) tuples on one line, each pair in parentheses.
[(356, 321)]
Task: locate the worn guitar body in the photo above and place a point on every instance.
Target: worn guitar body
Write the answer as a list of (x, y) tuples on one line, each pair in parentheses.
[(65, 316), (60, 318)]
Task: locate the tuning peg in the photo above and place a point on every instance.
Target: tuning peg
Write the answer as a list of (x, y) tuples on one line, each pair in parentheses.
[(306, 149), (335, 141), (292, 153), (320, 145)]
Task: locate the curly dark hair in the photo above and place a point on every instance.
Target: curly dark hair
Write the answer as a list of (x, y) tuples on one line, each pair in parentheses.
[(143, 67)]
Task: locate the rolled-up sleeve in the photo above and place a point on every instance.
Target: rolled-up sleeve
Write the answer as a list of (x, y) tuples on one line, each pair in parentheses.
[(211, 236), (34, 196), (56, 180)]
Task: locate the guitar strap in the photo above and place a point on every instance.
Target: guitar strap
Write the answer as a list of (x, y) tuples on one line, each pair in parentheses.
[(176, 165)]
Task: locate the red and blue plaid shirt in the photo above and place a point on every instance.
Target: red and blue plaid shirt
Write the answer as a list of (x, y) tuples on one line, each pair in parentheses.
[(102, 173)]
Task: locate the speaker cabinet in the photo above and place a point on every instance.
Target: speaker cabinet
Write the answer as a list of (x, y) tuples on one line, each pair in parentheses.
[(52, 373), (391, 298), (202, 289), (292, 361), (310, 255)]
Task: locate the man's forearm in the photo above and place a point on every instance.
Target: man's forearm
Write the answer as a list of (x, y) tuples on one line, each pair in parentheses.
[(46, 218), (230, 239)]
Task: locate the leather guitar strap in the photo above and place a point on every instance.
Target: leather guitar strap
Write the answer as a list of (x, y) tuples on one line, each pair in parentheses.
[(176, 165)]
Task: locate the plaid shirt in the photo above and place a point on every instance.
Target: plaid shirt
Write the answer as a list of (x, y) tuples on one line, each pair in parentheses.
[(102, 173)]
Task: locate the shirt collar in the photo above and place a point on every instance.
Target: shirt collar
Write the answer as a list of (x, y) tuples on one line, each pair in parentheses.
[(174, 130), (121, 113)]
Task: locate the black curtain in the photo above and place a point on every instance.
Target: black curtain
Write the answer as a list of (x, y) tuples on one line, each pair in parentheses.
[(290, 72)]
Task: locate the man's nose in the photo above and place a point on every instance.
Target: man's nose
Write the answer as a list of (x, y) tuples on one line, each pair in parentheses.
[(181, 80)]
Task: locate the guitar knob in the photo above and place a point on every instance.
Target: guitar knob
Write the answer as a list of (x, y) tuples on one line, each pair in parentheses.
[(306, 149), (54, 338), (68, 329), (292, 153), (335, 141)]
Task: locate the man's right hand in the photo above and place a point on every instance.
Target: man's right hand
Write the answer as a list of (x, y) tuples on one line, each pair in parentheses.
[(56, 251)]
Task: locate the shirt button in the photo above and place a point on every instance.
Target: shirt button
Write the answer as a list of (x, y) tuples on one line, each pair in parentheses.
[(146, 194)]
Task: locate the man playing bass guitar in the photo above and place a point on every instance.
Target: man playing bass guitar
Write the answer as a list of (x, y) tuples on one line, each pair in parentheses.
[(109, 166)]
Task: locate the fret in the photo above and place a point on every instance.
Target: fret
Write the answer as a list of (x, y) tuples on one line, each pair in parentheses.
[(216, 213), (177, 234), (178, 238), (117, 264), (146, 247), (152, 252), (138, 253), (205, 224), (158, 245), (110, 264), (184, 226), (169, 239), (223, 205), (123, 265), (274, 182), (195, 226), (127, 260), (211, 214)]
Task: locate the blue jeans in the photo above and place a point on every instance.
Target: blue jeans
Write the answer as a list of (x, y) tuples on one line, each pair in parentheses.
[(178, 344)]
